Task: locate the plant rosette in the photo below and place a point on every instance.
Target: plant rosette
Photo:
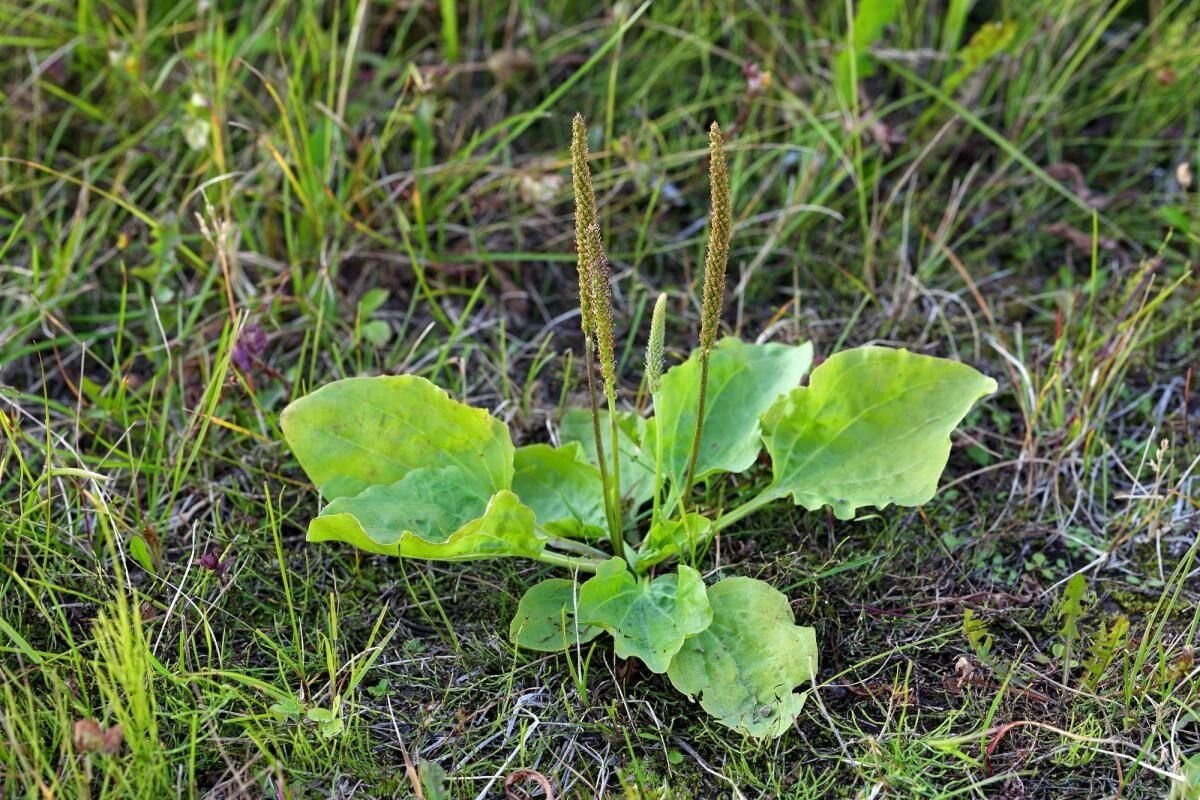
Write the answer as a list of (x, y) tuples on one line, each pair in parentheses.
[(408, 471)]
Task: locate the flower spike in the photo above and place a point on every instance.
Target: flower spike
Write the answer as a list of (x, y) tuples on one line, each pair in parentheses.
[(720, 231), (586, 243), (654, 348)]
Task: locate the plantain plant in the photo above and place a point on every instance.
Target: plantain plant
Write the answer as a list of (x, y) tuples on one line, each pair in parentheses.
[(408, 471)]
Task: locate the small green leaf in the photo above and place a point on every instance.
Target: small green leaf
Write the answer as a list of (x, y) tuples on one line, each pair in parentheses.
[(321, 715), (1071, 607), (744, 380), (562, 488), (139, 550), (372, 300), (433, 780), (329, 721), (332, 728), (375, 521), (289, 708), (637, 465), (357, 433), (377, 332), (647, 619), (674, 537), (871, 429), (747, 664), (546, 618), (1105, 648)]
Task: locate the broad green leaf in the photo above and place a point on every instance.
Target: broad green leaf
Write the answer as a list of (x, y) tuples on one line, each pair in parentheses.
[(434, 502), (562, 488), (870, 18), (747, 664), (647, 619), (674, 537), (637, 466), (357, 433), (378, 520), (546, 618), (872, 428), (743, 382), (505, 529)]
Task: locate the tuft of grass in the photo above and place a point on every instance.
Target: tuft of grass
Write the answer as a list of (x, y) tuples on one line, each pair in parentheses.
[(207, 207)]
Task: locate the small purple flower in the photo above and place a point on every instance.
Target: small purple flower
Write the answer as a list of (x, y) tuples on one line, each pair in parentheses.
[(249, 347), (212, 562)]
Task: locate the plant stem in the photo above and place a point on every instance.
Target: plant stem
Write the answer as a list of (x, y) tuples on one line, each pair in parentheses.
[(616, 471), (658, 477), (698, 432), (766, 496), (572, 546), (569, 562), (614, 530)]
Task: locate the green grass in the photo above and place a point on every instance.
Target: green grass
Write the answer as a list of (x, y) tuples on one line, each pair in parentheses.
[(174, 174)]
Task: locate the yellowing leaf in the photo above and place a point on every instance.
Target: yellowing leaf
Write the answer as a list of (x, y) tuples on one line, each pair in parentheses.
[(562, 488), (647, 619), (546, 618), (744, 380), (505, 527), (871, 429), (637, 465), (746, 665), (360, 432), (990, 40)]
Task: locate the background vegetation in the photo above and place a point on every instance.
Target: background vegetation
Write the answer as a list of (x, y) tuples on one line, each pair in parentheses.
[(209, 207)]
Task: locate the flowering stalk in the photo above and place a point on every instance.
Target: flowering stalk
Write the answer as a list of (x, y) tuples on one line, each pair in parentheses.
[(656, 343), (713, 297), (654, 370), (595, 307), (606, 350)]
